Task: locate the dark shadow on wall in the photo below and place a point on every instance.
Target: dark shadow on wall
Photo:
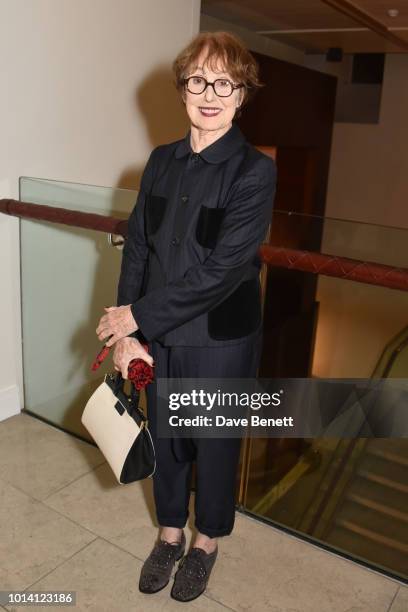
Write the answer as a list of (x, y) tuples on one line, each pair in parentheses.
[(159, 106)]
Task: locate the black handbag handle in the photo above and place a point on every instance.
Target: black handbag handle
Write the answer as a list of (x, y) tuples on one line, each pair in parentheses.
[(118, 385)]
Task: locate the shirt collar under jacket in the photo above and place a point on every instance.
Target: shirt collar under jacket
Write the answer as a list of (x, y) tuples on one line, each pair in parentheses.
[(220, 150)]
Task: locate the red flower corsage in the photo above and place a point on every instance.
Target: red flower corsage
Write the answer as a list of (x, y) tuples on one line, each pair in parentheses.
[(139, 372)]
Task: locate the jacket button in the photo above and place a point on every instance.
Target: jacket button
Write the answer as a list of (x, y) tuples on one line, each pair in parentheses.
[(195, 158), (175, 241), (184, 198)]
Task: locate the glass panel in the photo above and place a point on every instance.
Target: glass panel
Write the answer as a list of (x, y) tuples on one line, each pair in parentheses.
[(350, 494), (341, 237), (77, 196), (68, 275)]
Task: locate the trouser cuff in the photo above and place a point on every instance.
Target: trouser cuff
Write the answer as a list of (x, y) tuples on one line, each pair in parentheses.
[(179, 523), (214, 533)]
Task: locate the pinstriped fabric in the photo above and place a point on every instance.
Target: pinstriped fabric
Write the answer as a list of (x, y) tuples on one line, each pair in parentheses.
[(193, 258), (216, 458)]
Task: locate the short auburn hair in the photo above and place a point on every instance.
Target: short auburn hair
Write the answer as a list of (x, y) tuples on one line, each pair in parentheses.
[(226, 48)]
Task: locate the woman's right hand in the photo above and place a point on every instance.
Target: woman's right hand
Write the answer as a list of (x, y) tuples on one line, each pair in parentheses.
[(127, 349)]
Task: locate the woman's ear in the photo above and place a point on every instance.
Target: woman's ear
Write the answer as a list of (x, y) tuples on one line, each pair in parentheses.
[(241, 96)]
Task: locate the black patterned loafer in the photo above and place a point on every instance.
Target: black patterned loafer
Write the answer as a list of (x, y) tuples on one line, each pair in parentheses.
[(193, 573), (157, 568)]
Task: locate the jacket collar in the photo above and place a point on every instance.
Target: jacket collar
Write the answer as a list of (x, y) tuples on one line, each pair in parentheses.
[(220, 150)]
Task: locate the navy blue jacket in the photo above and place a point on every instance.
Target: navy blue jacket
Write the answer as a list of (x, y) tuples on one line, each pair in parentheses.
[(190, 268)]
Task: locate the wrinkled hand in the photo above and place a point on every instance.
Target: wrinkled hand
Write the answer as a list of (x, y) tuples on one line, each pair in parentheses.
[(127, 349), (118, 322)]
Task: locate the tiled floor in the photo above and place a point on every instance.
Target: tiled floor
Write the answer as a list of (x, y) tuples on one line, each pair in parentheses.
[(67, 525)]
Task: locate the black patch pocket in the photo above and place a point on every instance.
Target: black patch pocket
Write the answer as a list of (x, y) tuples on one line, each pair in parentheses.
[(239, 314), (154, 213), (208, 226)]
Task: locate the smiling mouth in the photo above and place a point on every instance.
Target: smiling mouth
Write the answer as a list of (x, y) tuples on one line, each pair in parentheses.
[(209, 111)]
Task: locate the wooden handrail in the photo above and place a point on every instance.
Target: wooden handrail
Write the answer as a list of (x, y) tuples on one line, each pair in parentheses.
[(367, 272), (54, 214), (306, 261)]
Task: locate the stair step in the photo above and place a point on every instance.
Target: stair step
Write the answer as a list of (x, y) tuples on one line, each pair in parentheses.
[(382, 467), (378, 507), (373, 536), (389, 456), (398, 446), (378, 523), (383, 480), (378, 493), (367, 550)]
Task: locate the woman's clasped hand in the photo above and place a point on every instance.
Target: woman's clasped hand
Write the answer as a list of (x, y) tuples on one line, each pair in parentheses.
[(117, 324), (125, 351)]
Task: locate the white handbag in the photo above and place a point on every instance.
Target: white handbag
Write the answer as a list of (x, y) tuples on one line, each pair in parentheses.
[(120, 430)]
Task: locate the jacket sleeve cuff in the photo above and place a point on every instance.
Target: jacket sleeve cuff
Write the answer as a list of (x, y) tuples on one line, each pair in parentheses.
[(144, 334), (138, 334)]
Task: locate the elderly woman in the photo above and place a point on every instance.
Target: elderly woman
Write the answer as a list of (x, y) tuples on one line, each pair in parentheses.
[(189, 288)]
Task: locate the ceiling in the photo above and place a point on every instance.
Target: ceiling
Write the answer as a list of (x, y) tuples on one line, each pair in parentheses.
[(361, 26)]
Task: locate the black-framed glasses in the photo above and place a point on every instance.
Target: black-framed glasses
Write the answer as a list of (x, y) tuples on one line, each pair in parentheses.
[(222, 87)]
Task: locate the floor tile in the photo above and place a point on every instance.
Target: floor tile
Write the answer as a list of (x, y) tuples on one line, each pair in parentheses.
[(40, 459), (400, 603), (56, 543), (34, 539), (122, 514), (105, 579), (261, 568)]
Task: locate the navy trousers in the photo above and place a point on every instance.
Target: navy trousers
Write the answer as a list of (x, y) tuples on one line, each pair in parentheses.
[(216, 459)]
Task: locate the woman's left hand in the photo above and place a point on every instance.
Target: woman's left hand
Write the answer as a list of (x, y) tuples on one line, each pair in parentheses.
[(118, 322)]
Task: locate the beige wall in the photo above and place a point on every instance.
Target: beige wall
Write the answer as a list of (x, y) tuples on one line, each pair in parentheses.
[(369, 163), (86, 94)]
